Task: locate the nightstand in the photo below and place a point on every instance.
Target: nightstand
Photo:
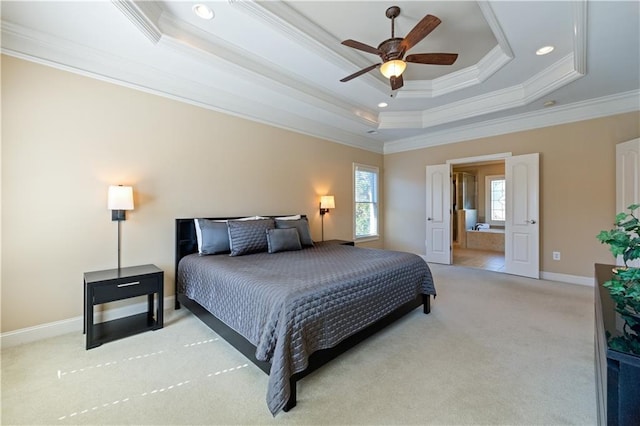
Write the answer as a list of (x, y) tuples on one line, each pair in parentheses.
[(341, 242), (118, 284)]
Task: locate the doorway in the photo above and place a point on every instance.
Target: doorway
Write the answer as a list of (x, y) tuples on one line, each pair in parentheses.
[(521, 212), (478, 214)]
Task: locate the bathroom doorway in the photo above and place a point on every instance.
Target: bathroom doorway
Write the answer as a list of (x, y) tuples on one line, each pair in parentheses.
[(521, 212), (478, 207)]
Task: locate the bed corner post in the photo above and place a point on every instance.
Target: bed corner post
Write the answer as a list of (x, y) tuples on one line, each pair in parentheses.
[(175, 287), (426, 303), (292, 396)]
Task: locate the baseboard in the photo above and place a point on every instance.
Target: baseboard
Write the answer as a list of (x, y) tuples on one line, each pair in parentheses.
[(571, 279), (553, 276), (72, 325)]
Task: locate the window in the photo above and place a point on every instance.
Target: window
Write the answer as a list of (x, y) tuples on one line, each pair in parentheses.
[(365, 191), (496, 197)]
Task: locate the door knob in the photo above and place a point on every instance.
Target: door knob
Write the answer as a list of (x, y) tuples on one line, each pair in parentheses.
[(428, 218), (532, 222)]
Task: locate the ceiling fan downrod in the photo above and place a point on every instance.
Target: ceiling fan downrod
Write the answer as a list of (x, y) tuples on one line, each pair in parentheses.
[(392, 13)]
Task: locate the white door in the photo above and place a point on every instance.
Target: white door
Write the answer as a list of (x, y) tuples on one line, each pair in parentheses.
[(438, 218), (522, 253), (627, 174), (627, 180)]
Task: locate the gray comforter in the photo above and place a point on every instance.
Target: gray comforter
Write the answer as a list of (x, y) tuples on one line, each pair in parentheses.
[(291, 304)]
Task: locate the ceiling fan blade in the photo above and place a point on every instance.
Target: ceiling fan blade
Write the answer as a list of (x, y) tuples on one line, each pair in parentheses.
[(361, 46), (433, 58), (420, 31), (359, 73), (396, 82)]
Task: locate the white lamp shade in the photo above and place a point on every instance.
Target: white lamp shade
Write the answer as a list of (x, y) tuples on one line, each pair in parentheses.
[(327, 202), (393, 68), (120, 197)]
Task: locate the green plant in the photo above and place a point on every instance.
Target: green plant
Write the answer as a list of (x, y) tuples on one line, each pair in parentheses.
[(624, 286)]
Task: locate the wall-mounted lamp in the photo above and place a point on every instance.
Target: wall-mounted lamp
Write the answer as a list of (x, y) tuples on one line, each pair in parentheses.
[(119, 200), (327, 202)]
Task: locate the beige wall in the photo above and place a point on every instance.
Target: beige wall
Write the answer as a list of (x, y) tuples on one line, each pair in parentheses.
[(65, 138), (577, 187)]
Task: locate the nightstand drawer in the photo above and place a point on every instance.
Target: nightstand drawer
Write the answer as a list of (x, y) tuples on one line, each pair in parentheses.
[(125, 288)]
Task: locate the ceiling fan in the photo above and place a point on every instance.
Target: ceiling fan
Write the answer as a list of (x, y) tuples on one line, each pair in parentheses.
[(392, 50)]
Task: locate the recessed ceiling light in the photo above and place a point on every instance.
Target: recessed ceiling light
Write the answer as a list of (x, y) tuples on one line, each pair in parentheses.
[(383, 105), (549, 103), (203, 11), (544, 50)]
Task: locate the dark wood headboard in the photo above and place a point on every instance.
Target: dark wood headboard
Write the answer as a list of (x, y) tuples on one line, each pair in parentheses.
[(187, 242)]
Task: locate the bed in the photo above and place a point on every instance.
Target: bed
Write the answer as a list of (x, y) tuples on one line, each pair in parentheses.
[(292, 304)]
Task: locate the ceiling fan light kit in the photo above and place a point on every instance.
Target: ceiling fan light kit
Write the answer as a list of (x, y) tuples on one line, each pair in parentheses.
[(392, 50), (393, 68)]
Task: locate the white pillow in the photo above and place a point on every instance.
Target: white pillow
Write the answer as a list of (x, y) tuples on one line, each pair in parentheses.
[(296, 217), (252, 218)]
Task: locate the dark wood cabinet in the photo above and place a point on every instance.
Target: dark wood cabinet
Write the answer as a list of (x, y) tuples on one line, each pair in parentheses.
[(617, 373), (118, 284)]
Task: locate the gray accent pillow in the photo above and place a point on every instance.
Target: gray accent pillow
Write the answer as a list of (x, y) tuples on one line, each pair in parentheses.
[(285, 239), (248, 236), (302, 225), (213, 236)]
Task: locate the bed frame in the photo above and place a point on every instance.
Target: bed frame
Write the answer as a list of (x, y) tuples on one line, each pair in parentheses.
[(186, 243)]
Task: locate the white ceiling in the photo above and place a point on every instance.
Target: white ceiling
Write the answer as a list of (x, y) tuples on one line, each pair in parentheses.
[(280, 62)]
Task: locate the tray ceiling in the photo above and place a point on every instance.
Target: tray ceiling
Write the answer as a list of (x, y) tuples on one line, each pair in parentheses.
[(280, 62)]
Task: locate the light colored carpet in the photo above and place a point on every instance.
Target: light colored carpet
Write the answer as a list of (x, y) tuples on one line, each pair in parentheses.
[(496, 349)]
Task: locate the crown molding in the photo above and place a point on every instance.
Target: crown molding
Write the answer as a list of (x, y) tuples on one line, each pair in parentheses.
[(548, 80), (492, 21), (299, 29), (490, 63), (580, 35), (559, 74), (208, 49), (144, 21), (579, 111), (467, 77), (72, 57)]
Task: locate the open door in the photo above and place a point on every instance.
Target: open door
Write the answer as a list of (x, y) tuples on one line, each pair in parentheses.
[(522, 228), (438, 238), (627, 181), (627, 174)]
